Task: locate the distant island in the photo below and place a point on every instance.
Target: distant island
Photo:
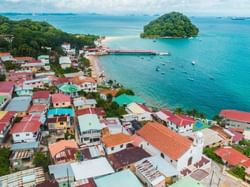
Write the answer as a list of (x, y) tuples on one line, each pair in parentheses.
[(171, 25), (33, 38)]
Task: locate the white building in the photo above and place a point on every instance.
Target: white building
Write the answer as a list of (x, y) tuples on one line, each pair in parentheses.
[(115, 143), (179, 123), (65, 62), (28, 130), (174, 148), (6, 57), (138, 112), (66, 46), (89, 129), (87, 84)]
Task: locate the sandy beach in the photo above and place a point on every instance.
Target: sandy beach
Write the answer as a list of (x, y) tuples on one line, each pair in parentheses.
[(95, 68)]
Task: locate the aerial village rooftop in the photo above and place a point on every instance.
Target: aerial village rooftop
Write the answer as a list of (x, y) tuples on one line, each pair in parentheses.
[(81, 130)]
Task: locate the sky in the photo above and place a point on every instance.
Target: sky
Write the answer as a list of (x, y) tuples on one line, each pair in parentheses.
[(192, 7)]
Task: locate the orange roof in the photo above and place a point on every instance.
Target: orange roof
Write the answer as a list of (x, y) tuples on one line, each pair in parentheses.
[(24, 58), (4, 54), (38, 108), (60, 98), (113, 92), (236, 115), (62, 145), (116, 139), (167, 141), (81, 79)]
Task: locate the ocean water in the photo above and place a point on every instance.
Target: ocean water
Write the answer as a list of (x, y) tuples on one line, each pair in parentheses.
[(219, 79)]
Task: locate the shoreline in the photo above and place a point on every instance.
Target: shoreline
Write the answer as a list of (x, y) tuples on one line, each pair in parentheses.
[(96, 69)]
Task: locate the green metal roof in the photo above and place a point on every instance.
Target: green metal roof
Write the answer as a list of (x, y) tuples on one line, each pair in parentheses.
[(2, 98), (89, 122), (123, 178), (187, 182), (125, 99), (69, 88)]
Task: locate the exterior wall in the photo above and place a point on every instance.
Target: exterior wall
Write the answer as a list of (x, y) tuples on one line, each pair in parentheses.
[(59, 125), (90, 137), (25, 137), (6, 130), (35, 84), (61, 104), (64, 66), (148, 183), (41, 101), (117, 148), (6, 58), (24, 92), (184, 130), (85, 106), (89, 87), (236, 124), (4, 102)]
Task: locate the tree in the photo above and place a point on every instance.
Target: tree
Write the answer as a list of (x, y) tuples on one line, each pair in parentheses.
[(179, 111), (209, 152), (2, 77), (4, 161), (41, 160), (125, 91), (238, 171)]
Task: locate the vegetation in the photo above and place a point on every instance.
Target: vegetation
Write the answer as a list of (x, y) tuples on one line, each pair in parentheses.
[(41, 160), (243, 147), (174, 25), (125, 91), (217, 118), (209, 152), (4, 161), (193, 112), (238, 172), (33, 38), (2, 77), (11, 66)]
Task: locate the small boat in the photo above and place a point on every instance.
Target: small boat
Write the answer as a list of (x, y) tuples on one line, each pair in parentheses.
[(142, 58), (193, 62), (157, 68), (162, 63), (190, 79), (154, 41), (163, 73), (172, 68), (185, 72), (211, 78), (164, 54)]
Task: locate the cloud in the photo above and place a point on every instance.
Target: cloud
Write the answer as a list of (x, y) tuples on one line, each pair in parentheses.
[(127, 6)]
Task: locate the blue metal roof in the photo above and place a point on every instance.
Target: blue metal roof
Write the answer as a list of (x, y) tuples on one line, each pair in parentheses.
[(61, 111), (23, 146)]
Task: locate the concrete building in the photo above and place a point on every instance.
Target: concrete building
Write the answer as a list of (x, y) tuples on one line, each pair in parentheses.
[(20, 105), (138, 112), (41, 97), (65, 62), (60, 100), (6, 122), (87, 84)]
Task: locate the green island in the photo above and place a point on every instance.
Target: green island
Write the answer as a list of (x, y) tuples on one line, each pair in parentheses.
[(33, 38), (171, 25)]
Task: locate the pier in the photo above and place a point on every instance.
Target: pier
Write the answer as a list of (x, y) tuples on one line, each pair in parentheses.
[(134, 52)]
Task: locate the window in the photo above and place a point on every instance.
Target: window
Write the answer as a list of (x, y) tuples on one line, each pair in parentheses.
[(61, 123), (112, 148), (17, 135), (27, 134), (162, 155), (121, 146)]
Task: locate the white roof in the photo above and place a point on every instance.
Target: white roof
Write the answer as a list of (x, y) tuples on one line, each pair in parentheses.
[(161, 115), (246, 134), (135, 108), (64, 60), (91, 168)]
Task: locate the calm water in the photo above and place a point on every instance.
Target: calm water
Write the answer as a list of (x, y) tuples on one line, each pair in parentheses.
[(220, 79)]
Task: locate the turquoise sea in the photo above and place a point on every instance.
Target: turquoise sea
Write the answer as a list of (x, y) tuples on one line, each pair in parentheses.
[(219, 79)]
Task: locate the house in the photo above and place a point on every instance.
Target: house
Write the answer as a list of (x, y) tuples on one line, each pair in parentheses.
[(187, 182), (236, 119), (6, 57), (24, 90), (91, 168), (60, 100), (23, 59), (6, 122), (69, 89), (237, 136), (179, 123), (3, 101), (59, 124), (37, 83), (27, 130), (18, 77), (156, 164), (41, 97), (115, 143), (112, 126), (38, 109), (34, 66), (25, 178), (124, 99), (65, 62), (224, 133), (211, 138), (149, 174), (98, 111), (22, 154), (89, 129), (63, 151), (20, 105), (54, 112), (87, 84), (123, 178), (105, 93), (138, 112), (66, 46), (44, 59), (6, 89), (232, 157), (176, 149), (82, 103), (62, 173), (126, 159)]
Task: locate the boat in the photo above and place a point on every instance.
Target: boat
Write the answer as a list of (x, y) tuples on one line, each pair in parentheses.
[(172, 68), (162, 63), (154, 41), (157, 68), (163, 73), (193, 62), (211, 78), (185, 72), (164, 54), (190, 79)]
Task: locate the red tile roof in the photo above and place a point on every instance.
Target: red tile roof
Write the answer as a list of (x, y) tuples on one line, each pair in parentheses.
[(38, 108), (19, 77), (41, 95), (167, 141), (232, 156), (6, 87), (28, 124), (236, 115), (237, 136), (97, 111), (24, 58), (60, 98), (57, 147), (6, 119), (4, 54)]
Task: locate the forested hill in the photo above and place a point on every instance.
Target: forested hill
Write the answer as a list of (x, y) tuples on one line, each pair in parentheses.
[(32, 37), (174, 25)]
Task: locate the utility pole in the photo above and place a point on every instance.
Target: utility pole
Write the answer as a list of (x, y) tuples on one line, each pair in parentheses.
[(211, 180), (219, 182)]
